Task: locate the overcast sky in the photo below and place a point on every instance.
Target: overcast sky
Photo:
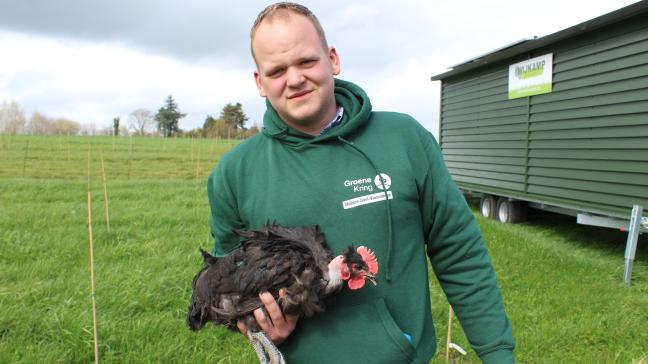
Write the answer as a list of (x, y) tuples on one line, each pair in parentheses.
[(91, 60)]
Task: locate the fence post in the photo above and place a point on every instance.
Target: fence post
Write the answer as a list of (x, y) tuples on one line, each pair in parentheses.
[(130, 155), (25, 159), (103, 176), (631, 244)]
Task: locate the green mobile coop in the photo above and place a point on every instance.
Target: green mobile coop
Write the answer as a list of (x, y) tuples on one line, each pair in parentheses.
[(557, 123)]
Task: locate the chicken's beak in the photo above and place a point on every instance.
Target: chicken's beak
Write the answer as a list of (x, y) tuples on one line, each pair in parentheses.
[(371, 278)]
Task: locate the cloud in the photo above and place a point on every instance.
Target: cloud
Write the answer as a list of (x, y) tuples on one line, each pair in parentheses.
[(187, 30), (92, 60), (94, 82), (218, 32)]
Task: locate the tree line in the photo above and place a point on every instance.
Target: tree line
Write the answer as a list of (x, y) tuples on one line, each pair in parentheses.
[(229, 124)]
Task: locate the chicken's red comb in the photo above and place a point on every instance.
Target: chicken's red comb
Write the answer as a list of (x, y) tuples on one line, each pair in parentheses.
[(369, 258)]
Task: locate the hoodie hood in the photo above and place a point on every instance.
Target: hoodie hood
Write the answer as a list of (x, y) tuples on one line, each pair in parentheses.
[(357, 110)]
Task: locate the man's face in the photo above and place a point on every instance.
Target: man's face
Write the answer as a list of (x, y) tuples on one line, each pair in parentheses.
[(295, 72)]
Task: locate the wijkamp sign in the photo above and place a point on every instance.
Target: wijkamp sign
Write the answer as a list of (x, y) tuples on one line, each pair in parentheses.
[(531, 77)]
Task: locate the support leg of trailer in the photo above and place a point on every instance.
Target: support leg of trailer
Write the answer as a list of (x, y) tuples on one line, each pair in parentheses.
[(631, 244)]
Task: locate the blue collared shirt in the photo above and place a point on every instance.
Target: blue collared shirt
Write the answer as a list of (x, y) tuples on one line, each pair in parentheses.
[(335, 122)]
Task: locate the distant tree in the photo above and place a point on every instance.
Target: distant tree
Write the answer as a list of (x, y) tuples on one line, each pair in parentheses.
[(116, 126), (232, 114), (141, 121), (12, 118), (39, 124), (44, 125), (64, 126), (230, 123), (209, 122), (217, 128), (89, 129), (168, 117), (193, 133), (123, 130), (221, 129), (252, 131)]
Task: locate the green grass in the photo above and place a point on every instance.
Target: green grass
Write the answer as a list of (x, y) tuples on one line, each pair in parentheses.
[(562, 289), (561, 282)]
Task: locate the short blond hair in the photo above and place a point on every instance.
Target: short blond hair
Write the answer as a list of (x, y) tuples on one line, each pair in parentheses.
[(283, 10)]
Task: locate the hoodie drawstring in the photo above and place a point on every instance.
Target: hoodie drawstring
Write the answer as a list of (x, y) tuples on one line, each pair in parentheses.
[(387, 204)]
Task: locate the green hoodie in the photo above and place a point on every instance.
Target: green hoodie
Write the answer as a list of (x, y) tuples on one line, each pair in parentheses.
[(334, 180)]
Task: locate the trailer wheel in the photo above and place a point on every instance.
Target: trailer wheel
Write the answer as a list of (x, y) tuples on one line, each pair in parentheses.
[(487, 206), (511, 212)]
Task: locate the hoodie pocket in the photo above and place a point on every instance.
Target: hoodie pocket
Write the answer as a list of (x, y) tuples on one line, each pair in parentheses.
[(365, 333)]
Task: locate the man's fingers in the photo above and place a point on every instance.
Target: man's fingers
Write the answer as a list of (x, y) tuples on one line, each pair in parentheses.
[(262, 320), (291, 320), (242, 328), (273, 309), (271, 319)]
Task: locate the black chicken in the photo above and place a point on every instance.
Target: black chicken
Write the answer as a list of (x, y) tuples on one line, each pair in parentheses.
[(274, 257)]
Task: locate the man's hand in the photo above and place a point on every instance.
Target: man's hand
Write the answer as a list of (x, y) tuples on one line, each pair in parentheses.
[(278, 326)]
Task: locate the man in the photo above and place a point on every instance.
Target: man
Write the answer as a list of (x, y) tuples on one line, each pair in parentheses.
[(367, 178)]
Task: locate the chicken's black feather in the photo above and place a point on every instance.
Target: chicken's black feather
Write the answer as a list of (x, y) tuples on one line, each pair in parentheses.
[(272, 258)]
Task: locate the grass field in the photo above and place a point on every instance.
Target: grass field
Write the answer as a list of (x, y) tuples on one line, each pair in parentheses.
[(561, 282)]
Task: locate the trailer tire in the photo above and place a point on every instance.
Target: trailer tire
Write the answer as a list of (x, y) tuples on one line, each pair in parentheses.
[(511, 212), (487, 206)]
